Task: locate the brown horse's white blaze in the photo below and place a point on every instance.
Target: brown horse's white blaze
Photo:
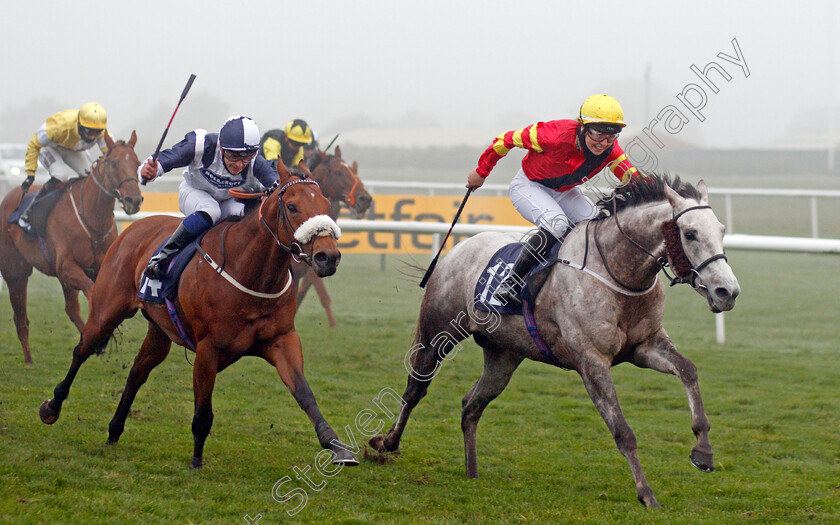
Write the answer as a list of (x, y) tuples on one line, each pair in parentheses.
[(254, 317), (79, 230), (591, 319)]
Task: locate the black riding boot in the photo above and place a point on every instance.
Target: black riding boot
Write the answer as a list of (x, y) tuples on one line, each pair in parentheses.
[(23, 220), (536, 250), (159, 264)]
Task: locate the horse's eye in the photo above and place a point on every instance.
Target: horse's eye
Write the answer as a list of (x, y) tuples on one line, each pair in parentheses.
[(292, 208), (690, 236)]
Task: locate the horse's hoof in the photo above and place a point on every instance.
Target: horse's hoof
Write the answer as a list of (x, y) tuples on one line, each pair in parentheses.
[(344, 457), (196, 462), (48, 415), (379, 444), (647, 498), (112, 440), (702, 460)]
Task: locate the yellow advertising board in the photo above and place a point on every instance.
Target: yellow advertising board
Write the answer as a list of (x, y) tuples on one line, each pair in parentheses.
[(423, 208)]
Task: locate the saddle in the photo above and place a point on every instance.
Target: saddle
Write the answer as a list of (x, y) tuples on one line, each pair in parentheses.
[(41, 206), (155, 291), (498, 269)]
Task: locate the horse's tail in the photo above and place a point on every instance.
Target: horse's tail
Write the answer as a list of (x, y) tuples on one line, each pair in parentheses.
[(412, 272)]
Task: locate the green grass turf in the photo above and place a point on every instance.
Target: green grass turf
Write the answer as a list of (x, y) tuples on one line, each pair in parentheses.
[(545, 455)]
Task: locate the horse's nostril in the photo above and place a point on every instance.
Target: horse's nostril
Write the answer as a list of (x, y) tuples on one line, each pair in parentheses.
[(365, 200), (722, 293), (320, 258)]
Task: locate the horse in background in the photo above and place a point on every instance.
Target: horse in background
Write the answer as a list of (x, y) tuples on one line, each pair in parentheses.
[(249, 313), (601, 304), (340, 184), (78, 231)]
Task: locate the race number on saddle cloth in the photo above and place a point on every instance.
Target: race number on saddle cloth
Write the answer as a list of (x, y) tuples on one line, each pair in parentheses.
[(495, 272)]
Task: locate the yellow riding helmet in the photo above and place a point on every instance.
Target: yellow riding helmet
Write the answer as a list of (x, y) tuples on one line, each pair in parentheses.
[(92, 115), (601, 109), (298, 131)]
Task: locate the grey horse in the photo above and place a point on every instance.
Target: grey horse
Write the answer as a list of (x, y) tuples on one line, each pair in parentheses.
[(601, 306)]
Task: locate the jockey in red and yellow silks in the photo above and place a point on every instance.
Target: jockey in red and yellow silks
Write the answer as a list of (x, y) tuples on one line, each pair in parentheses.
[(562, 154), (555, 157)]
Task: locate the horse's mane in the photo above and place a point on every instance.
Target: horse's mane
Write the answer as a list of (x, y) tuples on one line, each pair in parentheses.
[(643, 190)]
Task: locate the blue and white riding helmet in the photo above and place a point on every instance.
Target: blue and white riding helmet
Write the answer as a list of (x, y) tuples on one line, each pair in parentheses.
[(240, 134)]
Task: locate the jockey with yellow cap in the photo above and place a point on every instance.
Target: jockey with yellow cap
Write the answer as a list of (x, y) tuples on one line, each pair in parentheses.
[(289, 144), (562, 154), (61, 145)]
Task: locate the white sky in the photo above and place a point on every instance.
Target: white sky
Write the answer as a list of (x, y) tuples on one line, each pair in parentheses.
[(473, 64)]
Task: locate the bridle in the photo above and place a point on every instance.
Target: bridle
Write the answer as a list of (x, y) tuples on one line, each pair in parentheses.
[(294, 248), (688, 275), (350, 197), (97, 236), (115, 193)]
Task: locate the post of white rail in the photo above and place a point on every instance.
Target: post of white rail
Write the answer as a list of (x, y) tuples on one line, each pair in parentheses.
[(730, 222), (814, 222), (436, 238), (720, 331)]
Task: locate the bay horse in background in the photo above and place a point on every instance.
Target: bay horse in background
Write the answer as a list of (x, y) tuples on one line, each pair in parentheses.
[(601, 304), (340, 184), (79, 230), (250, 312)]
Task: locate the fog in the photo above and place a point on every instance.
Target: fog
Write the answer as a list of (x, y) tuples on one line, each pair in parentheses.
[(454, 72)]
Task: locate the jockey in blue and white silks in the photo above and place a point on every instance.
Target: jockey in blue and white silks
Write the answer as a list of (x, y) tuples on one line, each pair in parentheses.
[(214, 164)]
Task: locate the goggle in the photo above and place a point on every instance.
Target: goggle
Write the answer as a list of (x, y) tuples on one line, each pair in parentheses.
[(90, 132), (600, 136), (239, 156)]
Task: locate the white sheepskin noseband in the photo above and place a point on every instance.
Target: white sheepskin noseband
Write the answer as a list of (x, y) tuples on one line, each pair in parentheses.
[(318, 226)]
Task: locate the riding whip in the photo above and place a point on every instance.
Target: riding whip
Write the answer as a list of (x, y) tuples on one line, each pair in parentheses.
[(331, 143), (442, 244), (183, 96)]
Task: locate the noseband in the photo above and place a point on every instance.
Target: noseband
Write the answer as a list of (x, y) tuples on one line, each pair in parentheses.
[(686, 273), (293, 248)]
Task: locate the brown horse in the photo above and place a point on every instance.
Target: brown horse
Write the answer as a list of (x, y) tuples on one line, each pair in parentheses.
[(79, 230), (341, 185), (252, 314)]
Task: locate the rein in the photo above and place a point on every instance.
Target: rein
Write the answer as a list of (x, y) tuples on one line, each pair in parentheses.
[(79, 211)]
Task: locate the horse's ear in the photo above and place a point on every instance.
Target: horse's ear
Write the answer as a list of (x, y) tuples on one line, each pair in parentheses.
[(305, 169), (133, 140), (355, 167), (338, 151), (282, 173), (108, 140), (704, 193), (673, 197)]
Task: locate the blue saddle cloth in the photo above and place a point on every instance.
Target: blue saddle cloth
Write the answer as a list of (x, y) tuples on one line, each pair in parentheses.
[(155, 291), (495, 272)]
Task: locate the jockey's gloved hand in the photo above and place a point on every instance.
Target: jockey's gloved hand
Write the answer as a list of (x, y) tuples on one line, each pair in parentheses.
[(27, 183)]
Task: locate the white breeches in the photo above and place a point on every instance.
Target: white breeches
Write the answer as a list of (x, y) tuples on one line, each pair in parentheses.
[(191, 200), (551, 210), (64, 165)]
